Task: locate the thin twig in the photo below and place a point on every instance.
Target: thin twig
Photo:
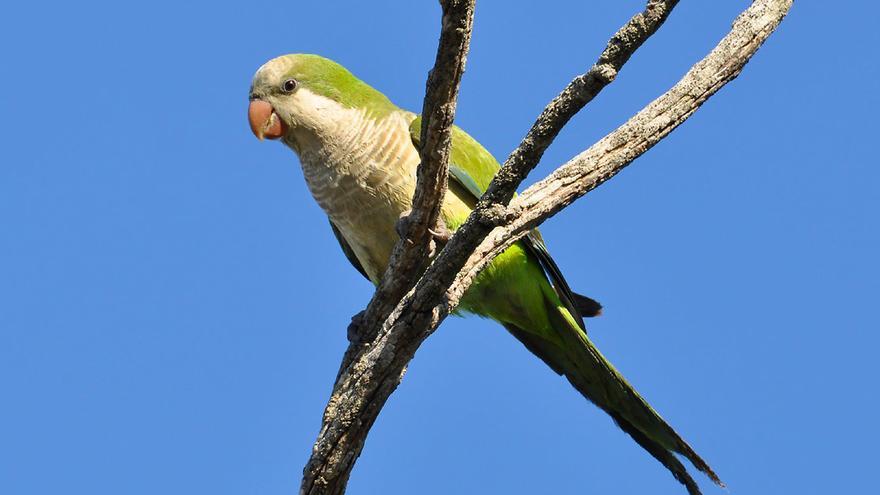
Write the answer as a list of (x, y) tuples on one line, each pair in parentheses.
[(618, 149)]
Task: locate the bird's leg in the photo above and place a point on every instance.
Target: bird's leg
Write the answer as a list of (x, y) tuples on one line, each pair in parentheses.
[(440, 234), (402, 225), (354, 329)]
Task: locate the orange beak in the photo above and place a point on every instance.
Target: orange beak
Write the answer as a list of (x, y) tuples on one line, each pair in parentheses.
[(265, 123)]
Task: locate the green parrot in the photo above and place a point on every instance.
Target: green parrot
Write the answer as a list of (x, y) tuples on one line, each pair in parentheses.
[(359, 156)]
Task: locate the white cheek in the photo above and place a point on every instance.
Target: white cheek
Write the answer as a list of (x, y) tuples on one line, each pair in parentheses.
[(320, 113)]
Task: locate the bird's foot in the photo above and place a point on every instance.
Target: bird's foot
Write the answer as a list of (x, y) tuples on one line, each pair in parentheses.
[(355, 329), (440, 234), (402, 225)]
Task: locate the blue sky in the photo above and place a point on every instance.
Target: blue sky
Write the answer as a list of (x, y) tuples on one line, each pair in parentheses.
[(173, 305)]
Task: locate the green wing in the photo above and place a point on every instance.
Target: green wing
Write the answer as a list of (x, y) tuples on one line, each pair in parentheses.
[(472, 167)]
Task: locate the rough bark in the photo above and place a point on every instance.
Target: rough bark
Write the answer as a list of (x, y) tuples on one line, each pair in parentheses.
[(621, 147), (412, 253), (372, 371), (332, 459)]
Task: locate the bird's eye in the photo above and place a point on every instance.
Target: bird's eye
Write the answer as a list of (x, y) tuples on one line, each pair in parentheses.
[(288, 85)]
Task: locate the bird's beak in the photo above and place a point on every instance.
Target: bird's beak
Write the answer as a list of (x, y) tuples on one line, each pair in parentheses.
[(265, 123)]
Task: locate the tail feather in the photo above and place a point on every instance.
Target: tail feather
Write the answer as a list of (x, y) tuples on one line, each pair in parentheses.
[(575, 356), (660, 453), (599, 381), (587, 306)]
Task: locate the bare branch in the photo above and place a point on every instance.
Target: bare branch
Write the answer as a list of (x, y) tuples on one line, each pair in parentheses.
[(490, 211), (640, 133), (580, 91), (412, 253), (339, 442), (330, 465), (375, 370)]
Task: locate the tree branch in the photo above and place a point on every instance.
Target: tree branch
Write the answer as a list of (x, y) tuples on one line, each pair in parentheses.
[(412, 253), (490, 210), (640, 133), (375, 370), (330, 465), (580, 91)]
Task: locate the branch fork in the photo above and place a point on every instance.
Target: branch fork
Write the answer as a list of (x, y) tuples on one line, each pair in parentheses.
[(419, 289)]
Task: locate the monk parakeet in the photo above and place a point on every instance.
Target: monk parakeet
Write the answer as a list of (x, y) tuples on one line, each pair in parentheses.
[(359, 155)]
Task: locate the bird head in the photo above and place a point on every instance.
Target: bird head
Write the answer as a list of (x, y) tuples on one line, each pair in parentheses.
[(304, 94)]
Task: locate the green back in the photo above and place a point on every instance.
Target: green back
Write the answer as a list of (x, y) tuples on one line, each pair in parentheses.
[(471, 165)]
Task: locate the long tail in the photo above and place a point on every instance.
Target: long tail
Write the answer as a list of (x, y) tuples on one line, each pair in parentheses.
[(597, 380)]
